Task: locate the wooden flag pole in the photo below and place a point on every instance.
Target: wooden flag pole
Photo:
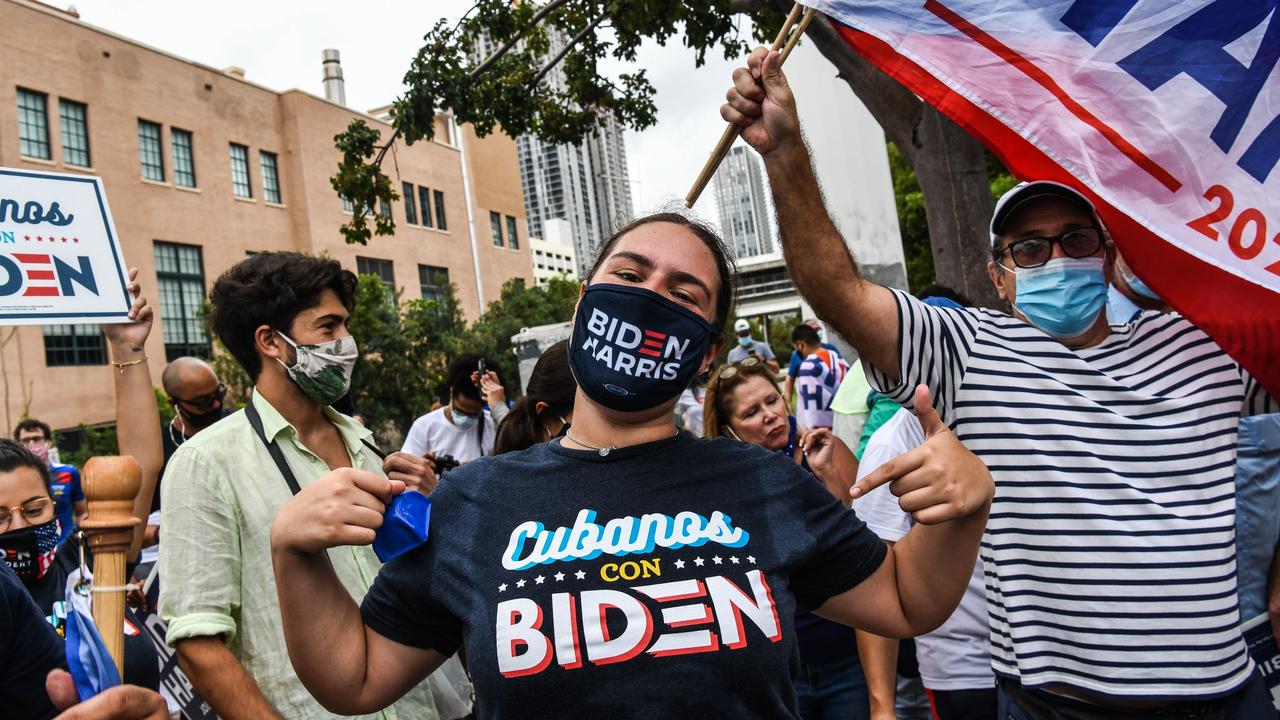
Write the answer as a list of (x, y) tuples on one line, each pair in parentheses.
[(110, 486), (731, 132)]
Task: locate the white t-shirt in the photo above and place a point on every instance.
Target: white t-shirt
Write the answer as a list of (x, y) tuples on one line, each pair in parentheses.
[(956, 656), (690, 408), (435, 434), (816, 384)]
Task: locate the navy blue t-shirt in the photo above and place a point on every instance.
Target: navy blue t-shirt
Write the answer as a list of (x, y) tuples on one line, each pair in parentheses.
[(661, 580), (29, 649)]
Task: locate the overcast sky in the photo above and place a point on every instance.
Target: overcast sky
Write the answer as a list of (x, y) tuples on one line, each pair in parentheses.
[(279, 43)]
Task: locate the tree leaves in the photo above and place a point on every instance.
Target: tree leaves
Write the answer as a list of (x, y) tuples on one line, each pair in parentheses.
[(530, 68)]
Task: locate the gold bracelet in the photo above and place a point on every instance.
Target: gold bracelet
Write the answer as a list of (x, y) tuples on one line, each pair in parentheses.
[(124, 365)]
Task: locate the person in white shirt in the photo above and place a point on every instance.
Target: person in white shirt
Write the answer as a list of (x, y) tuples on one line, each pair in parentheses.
[(955, 659), (463, 429)]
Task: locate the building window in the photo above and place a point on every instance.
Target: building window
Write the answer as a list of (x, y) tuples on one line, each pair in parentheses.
[(149, 153), (495, 226), (240, 171), (75, 132), (270, 176), (33, 124), (434, 282), (180, 284), (410, 207), (385, 209), (74, 345), (424, 202), (382, 270), (184, 163), (513, 238), (347, 205), (439, 198)]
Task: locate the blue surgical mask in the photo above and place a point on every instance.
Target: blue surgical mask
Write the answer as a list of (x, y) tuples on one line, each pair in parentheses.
[(745, 341), (1139, 287), (1062, 297), (463, 421)]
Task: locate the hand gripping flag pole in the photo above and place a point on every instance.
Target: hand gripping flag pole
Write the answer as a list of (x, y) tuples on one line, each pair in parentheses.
[(110, 486), (786, 41)]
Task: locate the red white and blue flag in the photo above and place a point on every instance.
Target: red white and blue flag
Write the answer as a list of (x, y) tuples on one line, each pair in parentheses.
[(1166, 113)]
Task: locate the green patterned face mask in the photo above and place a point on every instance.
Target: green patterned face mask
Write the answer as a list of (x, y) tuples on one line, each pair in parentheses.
[(323, 371)]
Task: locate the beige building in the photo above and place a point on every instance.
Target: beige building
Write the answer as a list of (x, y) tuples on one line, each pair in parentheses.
[(553, 253), (202, 167)]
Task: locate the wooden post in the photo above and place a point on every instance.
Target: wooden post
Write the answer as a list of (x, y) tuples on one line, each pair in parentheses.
[(110, 487)]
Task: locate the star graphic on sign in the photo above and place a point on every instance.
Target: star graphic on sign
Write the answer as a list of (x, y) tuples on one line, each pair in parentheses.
[(717, 560), (580, 575), (559, 576), (679, 564), (27, 238), (751, 559), (734, 559), (698, 561), (502, 587), (521, 583), (538, 580)]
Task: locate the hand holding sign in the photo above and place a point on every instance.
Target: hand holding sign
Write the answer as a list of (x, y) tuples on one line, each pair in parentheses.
[(132, 336), (939, 480)]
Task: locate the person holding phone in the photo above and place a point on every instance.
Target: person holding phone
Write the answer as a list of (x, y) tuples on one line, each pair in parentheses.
[(462, 430)]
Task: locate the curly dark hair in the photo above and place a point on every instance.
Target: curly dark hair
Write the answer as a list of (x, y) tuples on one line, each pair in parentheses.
[(271, 289), (30, 424)]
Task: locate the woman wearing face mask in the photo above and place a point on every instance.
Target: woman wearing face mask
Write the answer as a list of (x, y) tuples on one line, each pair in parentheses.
[(743, 402), (626, 568), (547, 406), (28, 525)]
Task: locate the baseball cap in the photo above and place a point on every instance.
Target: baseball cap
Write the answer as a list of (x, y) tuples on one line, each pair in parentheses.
[(740, 325), (1023, 193)]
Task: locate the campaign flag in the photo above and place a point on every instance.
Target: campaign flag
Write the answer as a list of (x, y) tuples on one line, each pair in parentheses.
[(60, 259), (1165, 113)]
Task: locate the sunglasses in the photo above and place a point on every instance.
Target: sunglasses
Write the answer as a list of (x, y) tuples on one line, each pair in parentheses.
[(206, 403)]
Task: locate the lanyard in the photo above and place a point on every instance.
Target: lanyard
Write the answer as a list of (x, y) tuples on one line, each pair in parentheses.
[(277, 455)]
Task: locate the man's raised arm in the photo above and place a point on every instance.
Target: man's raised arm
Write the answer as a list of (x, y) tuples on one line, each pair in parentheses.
[(821, 266)]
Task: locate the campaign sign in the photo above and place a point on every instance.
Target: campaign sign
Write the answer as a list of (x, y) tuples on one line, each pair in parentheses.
[(60, 259)]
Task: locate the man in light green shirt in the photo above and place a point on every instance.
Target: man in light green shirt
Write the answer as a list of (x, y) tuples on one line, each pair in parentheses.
[(222, 488)]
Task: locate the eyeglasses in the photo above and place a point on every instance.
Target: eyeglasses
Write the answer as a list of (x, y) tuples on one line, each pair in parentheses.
[(1033, 252), (206, 403), (32, 511)]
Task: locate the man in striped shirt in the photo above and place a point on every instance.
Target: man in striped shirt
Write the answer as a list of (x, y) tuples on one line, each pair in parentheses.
[(1110, 550)]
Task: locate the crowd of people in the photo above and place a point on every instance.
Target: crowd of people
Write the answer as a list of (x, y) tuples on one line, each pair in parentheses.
[(1059, 513)]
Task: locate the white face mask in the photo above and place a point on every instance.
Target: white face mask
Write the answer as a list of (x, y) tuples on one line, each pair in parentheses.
[(323, 371)]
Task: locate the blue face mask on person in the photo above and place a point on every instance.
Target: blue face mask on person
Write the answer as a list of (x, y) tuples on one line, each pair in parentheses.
[(1062, 297), (1137, 285), (632, 349), (745, 341)]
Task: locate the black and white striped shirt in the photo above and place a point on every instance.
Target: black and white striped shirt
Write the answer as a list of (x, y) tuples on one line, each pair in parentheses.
[(1110, 551)]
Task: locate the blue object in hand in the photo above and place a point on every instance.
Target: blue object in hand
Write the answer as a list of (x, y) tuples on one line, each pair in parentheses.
[(90, 664), (405, 526)]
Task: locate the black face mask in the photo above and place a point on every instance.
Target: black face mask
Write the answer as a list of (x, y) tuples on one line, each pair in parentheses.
[(632, 349), (29, 551), (202, 420)]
